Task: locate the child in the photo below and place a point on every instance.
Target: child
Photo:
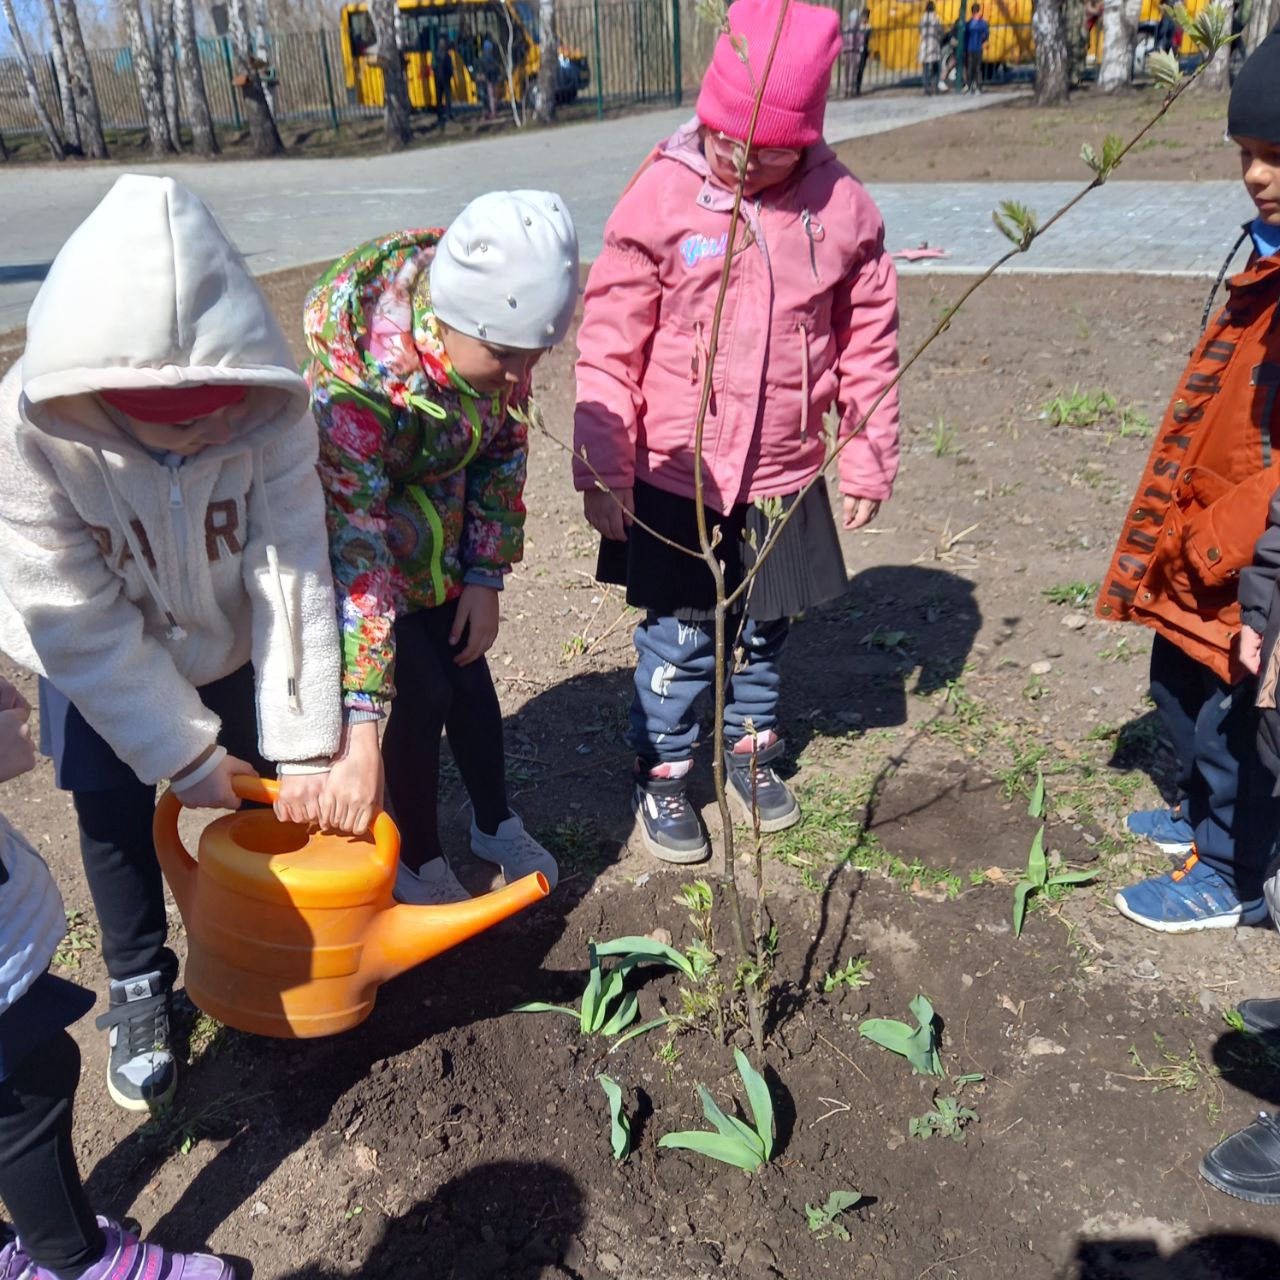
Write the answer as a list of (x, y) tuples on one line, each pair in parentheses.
[(1200, 508), (1247, 1164), (810, 320), (423, 345), (161, 528), (58, 1236), (977, 31)]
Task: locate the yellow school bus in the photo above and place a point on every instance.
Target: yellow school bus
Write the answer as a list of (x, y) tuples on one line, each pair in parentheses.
[(512, 26)]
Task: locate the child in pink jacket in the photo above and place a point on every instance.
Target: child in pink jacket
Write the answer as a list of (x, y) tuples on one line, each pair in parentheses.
[(810, 321)]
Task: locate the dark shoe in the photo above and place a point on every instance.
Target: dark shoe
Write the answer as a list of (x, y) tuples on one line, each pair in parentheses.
[(142, 1073), (1247, 1164), (669, 824), (1261, 1017), (777, 806)]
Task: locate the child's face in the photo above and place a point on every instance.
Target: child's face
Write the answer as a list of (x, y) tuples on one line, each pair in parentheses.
[(487, 367), (766, 166), (182, 438), (1260, 167)]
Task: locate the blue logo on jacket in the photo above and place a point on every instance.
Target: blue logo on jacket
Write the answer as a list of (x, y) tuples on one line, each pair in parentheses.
[(696, 248)]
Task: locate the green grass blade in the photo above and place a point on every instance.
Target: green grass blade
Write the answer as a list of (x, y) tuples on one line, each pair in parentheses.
[(1075, 877), (1036, 808), (761, 1103), (639, 1031), (648, 951), (1037, 863), (539, 1006), (619, 1124), (626, 1014), (1021, 892), (715, 1145)]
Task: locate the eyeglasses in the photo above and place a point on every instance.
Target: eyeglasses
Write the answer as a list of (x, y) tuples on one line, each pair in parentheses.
[(768, 157)]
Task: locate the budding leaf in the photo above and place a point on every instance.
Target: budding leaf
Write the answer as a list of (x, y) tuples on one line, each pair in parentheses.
[(1016, 223), (1211, 29), (1164, 70)]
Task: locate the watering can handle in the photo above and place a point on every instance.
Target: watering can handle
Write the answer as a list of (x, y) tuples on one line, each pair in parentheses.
[(265, 790)]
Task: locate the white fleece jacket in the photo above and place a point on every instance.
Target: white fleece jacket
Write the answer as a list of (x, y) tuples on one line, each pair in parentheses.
[(129, 582), (32, 922)]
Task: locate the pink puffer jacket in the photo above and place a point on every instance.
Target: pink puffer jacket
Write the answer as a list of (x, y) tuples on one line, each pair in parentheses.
[(811, 318)]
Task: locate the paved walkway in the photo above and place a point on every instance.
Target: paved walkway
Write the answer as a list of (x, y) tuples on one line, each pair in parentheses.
[(287, 212)]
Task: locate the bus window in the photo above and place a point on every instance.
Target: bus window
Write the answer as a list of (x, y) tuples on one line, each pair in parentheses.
[(363, 36)]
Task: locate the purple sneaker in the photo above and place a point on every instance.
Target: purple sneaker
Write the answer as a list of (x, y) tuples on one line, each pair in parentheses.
[(125, 1257)]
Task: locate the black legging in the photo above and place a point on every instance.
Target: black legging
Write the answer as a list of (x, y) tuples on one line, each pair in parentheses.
[(39, 1182), (434, 693)]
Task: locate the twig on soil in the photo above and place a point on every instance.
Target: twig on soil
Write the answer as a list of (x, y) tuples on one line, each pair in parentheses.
[(839, 1109), (607, 632), (845, 1056), (946, 1262)]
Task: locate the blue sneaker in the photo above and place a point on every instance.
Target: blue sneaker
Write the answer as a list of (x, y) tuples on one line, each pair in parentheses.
[(1191, 898), (1167, 829)]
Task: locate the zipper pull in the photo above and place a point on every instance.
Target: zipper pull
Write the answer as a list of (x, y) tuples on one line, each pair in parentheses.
[(815, 231), (175, 490)]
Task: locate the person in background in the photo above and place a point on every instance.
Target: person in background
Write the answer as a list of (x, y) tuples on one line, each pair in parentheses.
[(490, 76), (930, 47), (977, 32), (58, 1237), (863, 47), (442, 70)]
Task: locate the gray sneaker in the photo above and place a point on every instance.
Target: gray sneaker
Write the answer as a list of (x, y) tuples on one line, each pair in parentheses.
[(142, 1073), (513, 849), (432, 885)]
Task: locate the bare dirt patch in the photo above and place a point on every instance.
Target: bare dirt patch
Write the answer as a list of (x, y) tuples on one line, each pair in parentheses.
[(449, 1136)]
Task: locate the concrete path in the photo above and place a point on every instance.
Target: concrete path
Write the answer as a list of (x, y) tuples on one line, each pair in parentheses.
[(286, 212)]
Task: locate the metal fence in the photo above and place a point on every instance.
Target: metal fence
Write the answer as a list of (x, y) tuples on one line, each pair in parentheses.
[(638, 51)]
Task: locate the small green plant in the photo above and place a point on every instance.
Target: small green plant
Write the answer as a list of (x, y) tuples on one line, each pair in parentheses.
[(944, 440), (854, 974), (1133, 422), (1036, 879), (619, 1124), (919, 1045), (574, 647), (1122, 652), (891, 641), (733, 1142), (1035, 688), (1074, 594), (1078, 408), (948, 1118), (80, 937), (823, 1219)]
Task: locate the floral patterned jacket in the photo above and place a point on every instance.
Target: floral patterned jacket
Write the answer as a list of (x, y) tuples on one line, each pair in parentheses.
[(423, 476)]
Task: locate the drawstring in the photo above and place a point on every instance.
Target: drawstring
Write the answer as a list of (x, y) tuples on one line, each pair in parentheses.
[(815, 231), (804, 381), (176, 632), (1222, 275), (277, 582)]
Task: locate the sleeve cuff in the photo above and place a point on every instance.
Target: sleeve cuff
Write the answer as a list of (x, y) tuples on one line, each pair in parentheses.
[(200, 772), (1256, 619), (320, 764), (483, 578), (362, 715)]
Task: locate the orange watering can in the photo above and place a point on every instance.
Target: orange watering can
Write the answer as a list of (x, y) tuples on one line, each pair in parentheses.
[(290, 934)]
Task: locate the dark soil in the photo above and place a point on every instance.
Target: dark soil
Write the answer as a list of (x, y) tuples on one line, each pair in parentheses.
[(1016, 141), (451, 1137)]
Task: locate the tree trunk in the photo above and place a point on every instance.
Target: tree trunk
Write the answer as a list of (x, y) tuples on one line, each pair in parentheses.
[(1216, 77), (1119, 37), (203, 137), (1053, 62), (4, 151), (70, 125), (162, 19), (1262, 18), (260, 48), (395, 88), (262, 124), (144, 69), (33, 88), (549, 68), (88, 112)]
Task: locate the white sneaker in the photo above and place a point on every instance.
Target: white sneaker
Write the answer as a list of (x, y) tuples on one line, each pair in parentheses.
[(434, 885), (515, 851)]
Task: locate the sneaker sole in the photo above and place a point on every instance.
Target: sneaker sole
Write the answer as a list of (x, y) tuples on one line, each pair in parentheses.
[(1170, 846), (1253, 1197), (677, 857), (1246, 916), (1271, 896), (743, 810), (139, 1104)]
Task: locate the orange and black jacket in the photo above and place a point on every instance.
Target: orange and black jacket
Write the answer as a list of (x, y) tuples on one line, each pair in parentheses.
[(1202, 502)]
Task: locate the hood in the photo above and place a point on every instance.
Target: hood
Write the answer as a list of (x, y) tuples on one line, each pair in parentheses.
[(149, 292), (685, 147)]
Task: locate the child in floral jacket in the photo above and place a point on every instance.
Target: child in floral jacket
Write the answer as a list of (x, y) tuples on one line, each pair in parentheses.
[(423, 346)]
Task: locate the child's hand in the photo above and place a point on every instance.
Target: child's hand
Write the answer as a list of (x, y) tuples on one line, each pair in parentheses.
[(859, 512), (352, 791), (1249, 650), (214, 792), (299, 797), (605, 515), (17, 751), (11, 699), (478, 616)]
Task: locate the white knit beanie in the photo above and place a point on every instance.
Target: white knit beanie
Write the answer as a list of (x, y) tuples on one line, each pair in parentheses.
[(506, 270)]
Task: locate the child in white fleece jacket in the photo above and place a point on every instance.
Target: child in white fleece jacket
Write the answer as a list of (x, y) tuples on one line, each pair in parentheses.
[(163, 564)]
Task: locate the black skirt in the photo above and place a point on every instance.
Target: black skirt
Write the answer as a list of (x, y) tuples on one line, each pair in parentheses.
[(805, 568)]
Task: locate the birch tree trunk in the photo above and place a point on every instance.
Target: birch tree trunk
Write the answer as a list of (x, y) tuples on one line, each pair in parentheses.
[(203, 138), (1119, 37), (395, 88), (162, 20), (260, 47), (1262, 19), (549, 68), (92, 141), (1053, 62), (262, 124), (33, 88), (144, 69), (70, 124)]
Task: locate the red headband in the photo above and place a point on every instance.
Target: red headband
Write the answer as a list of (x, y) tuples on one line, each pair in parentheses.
[(169, 405)]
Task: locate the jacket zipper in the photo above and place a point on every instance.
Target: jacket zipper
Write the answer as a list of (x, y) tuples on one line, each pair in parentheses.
[(177, 519), (815, 232)]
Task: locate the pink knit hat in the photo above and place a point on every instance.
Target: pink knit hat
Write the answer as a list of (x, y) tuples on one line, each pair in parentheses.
[(795, 97)]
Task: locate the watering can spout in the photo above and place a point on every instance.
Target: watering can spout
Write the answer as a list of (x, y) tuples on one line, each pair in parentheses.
[(405, 936)]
